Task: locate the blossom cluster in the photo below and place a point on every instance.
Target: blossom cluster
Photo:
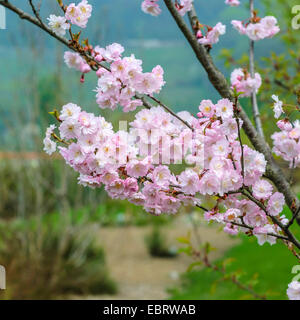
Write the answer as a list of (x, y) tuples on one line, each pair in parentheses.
[(287, 141), (212, 35), (125, 78), (233, 3), (74, 60), (262, 28), (293, 290), (134, 165), (74, 14), (241, 80), (152, 7)]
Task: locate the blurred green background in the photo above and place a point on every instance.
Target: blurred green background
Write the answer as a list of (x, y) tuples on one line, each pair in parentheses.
[(58, 239)]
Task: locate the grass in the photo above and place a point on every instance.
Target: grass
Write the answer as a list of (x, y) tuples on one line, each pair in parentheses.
[(51, 256), (272, 266)]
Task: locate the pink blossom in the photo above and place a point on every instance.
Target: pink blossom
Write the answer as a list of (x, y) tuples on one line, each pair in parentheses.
[(293, 290), (256, 219), (70, 110), (265, 28), (137, 168), (213, 35), (207, 108), (151, 7), (224, 109), (262, 189), (189, 181), (231, 229), (238, 25), (277, 106), (88, 123), (49, 145), (262, 236), (243, 82), (58, 24), (161, 176), (80, 14), (184, 6), (233, 3), (232, 214), (275, 204), (74, 60)]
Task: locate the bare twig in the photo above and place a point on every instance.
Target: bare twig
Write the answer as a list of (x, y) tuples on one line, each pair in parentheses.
[(255, 109)]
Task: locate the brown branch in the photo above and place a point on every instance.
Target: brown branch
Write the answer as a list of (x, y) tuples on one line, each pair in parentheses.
[(35, 12), (243, 225)]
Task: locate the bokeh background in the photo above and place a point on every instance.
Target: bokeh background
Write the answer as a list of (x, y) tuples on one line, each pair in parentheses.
[(58, 239)]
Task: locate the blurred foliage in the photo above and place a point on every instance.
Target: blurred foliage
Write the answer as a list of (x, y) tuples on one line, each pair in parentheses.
[(266, 268), (52, 256), (36, 186), (157, 245)]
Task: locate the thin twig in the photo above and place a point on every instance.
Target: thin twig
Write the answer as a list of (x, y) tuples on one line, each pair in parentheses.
[(255, 109)]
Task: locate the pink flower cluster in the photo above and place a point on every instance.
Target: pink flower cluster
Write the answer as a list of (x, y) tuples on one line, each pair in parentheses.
[(287, 142), (74, 60), (266, 28), (184, 6), (134, 165), (79, 14), (212, 35), (233, 3), (293, 290), (242, 82), (125, 79), (152, 7)]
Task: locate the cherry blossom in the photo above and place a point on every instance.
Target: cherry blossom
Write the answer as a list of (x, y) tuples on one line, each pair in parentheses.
[(151, 7), (80, 14), (293, 290), (212, 35), (263, 28), (242, 82), (184, 6), (233, 3), (277, 106), (58, 24)]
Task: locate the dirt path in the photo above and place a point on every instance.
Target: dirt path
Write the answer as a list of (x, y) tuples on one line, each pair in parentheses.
[(140, 276)]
